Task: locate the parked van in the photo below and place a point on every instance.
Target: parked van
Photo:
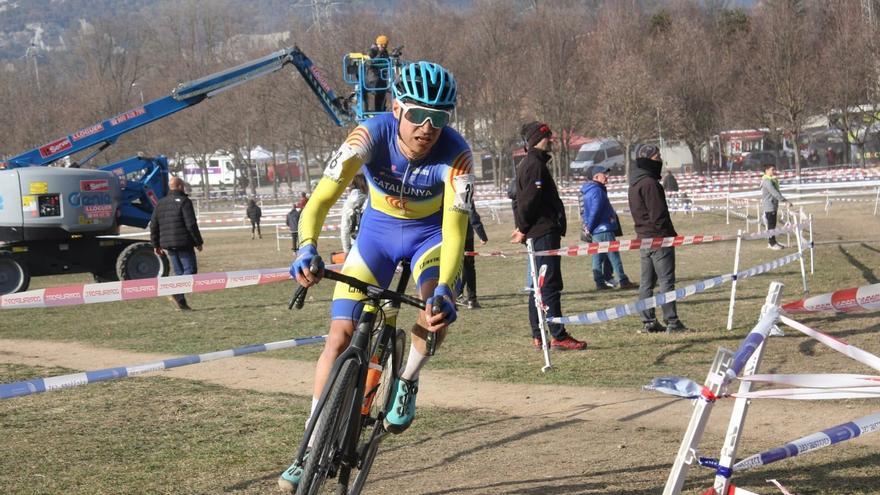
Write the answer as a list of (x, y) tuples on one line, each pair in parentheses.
[(606, 152)]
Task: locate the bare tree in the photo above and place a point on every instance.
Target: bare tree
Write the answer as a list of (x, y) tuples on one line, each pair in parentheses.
[(780, 87)]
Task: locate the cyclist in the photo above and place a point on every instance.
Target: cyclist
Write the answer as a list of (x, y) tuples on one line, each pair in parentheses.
[(420, 187)]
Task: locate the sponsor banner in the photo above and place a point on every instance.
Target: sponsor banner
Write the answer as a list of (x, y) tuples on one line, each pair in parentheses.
[(19, 389), (137, 112)]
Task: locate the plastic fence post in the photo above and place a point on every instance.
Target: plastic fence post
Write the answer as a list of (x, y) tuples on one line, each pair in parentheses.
[(727, 208), (733, 284), (810, 224), (798, 233), (716, 381), (876, 201), (741, 406), (539, 305), (277, 238)]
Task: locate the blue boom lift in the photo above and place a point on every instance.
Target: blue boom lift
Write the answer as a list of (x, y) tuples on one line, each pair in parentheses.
[(52, 219)]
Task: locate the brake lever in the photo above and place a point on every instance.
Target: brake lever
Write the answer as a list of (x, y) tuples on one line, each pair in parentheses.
[(299, 295), (431, 339)]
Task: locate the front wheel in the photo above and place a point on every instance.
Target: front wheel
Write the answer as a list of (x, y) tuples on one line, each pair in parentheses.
[(330, 438), (381, 404)]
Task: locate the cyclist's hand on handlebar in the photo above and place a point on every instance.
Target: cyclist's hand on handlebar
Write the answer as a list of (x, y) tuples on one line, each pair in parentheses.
[(301, 267), (444, 300)]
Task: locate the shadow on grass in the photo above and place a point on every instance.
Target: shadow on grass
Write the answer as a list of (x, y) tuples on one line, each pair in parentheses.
[(573, 484), (867, 273), (869, 248), (515, 437), (808, 346), (822, 476)]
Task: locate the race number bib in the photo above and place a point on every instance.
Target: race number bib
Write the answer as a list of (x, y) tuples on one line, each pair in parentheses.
[(334, 167), (464, 192)]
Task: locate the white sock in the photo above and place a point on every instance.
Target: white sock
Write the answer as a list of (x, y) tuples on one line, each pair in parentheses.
[(414, 363), (318, 424)]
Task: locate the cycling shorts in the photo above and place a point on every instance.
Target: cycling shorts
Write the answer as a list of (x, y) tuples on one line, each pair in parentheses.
[(382, 242)]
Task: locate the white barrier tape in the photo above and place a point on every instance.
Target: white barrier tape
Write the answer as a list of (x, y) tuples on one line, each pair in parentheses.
[(865, 298), (19, 389), (817, 380), (816, 441), (622, 310), (813, 393), (838, 345)]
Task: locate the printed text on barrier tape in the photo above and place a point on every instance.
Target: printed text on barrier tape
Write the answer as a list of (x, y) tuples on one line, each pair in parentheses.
[(19, 389), (140, 288), (622, 310)]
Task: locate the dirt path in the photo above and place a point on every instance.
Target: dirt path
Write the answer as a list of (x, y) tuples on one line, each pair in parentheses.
[(538, 439)]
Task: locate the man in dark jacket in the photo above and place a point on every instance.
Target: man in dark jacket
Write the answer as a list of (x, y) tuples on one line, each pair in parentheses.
[(254, 213), (468, 268), (647, 203), (293, 225), (601, 222), (540, 216), (174, 231)]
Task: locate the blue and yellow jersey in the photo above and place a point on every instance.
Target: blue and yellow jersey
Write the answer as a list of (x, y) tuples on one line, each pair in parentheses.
[(437, 188)]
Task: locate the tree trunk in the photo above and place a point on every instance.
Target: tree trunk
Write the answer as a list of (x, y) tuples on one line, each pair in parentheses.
[(287, 165), (275, 177), (306, 175), (627, 162), (698, 159)]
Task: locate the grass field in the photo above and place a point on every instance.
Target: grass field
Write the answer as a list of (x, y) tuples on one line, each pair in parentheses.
[(162, 435)]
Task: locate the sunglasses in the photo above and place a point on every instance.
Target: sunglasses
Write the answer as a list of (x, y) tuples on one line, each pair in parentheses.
[(419, 115)]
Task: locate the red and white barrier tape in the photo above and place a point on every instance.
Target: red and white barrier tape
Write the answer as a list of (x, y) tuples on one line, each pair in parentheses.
[(636, 244), (865, 298), (140, 289)]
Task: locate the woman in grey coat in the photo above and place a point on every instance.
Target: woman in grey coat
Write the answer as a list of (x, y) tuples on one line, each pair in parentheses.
[(770, 198)]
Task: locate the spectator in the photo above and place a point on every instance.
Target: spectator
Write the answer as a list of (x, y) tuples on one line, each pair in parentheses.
[(540, 216), (293, 224), (468, 268), (647, 203), (770, 198), (254, 213), (175, 231), (830, 157), (511, 194), (601, 221), (376, 76), (670, 184), (303, 199), (352, 208)]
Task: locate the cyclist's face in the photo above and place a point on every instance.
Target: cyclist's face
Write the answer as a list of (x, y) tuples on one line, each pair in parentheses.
[(419, 138)]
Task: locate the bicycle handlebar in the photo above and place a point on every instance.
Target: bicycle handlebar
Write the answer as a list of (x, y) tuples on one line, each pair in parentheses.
[(373, 291)]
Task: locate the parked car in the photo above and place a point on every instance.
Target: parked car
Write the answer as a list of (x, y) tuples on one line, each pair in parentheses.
[(606, 152)]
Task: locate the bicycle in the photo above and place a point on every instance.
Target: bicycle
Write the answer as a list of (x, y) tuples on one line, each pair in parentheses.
[(356, 398)]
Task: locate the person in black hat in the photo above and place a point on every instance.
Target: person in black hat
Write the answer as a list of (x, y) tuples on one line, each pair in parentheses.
[(601, 221), (647, 203), (540, 216)]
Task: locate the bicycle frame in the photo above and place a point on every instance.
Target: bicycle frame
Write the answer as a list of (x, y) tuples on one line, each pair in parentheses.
[(362, 351)]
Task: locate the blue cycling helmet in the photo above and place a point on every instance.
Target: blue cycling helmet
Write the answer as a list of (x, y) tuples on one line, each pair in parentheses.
[(426, 83)]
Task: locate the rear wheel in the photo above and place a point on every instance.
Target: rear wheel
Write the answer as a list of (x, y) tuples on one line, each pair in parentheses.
[(330, 438), (14, 276), (139, 260), (372, 436)]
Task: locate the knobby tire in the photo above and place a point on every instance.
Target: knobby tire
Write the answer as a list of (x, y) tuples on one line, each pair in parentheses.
[(331, 434), (378, 410)]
